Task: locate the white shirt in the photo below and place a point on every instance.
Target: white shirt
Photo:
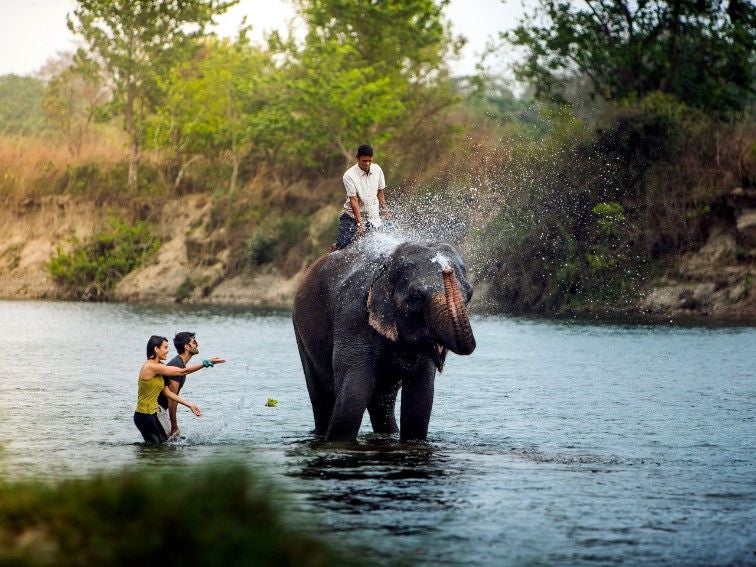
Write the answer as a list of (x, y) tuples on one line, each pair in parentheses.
[(365, 186)]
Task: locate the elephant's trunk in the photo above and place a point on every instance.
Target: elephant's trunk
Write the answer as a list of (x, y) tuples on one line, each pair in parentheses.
[(449, 317)]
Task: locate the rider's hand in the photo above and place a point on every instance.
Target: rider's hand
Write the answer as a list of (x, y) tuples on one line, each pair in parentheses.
[(360, 228)]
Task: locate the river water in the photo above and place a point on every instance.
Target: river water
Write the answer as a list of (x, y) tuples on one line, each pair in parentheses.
[(556, 442)]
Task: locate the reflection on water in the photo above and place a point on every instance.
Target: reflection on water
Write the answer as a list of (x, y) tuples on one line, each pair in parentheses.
[(383, 460), (556, 442)]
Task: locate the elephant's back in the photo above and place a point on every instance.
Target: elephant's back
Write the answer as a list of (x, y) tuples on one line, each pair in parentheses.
[(310, 287), (312, 317), (335, 280)]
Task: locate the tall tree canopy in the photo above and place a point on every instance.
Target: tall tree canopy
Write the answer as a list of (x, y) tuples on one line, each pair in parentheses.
[(366, 69), (218, 103), (701, 51), (408, 37), (136, 41)]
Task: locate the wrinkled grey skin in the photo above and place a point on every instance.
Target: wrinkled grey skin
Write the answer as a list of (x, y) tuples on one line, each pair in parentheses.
[(369, 322)]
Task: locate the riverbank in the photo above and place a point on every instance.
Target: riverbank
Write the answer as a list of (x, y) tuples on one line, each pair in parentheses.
[(715, 281)]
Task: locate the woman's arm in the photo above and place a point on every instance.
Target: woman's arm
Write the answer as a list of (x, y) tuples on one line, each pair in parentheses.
[(160, 369), (171, 396)]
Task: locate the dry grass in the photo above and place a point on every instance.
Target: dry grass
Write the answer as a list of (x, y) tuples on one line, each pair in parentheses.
[(28, 165)]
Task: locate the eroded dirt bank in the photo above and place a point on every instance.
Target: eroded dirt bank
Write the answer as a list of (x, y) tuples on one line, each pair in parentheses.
[(189, 266), (715, 281)]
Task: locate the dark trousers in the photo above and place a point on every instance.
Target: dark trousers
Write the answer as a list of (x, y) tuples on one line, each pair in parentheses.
[(347, 231), (150, 428)]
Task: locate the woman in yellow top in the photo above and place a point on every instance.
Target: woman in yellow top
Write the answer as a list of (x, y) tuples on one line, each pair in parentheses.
[(151, 384)]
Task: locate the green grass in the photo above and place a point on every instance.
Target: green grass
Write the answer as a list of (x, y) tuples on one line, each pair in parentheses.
[(215, 515)]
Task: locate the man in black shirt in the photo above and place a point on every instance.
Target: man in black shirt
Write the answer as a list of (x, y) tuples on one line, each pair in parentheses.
[(186, 347)]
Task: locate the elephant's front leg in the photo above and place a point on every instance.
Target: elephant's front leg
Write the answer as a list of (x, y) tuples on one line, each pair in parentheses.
[(355, 381), (417, 400)]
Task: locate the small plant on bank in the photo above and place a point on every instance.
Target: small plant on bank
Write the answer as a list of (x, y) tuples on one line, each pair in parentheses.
[(279, 240), (185, 289), (91, 269), (260, 249)]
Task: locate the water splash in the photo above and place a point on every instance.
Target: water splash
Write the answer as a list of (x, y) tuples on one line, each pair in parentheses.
[(441, 260)]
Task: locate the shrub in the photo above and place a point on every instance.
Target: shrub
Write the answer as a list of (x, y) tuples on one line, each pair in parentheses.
[(217, 515), (260, 249), (185, 289), (92, 268), (609, 218), (274, 240)]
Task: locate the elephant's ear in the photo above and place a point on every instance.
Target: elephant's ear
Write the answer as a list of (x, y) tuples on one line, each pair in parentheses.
[(380, 307)]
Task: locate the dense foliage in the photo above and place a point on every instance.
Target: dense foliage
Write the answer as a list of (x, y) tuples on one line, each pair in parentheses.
[(588, 215), (92, 268), (701, 51)]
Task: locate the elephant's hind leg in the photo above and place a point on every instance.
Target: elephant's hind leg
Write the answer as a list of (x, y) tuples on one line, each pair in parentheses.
[(321, 396)]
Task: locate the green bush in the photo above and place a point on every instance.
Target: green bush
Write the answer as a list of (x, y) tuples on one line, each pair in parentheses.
[(260, 249), (92, 268), (185, 289), (292, 230), (609, 218), (217, 515), (107, 181), (273, 240)]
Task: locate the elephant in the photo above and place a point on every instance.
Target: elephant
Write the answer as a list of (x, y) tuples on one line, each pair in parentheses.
[(371, 319)]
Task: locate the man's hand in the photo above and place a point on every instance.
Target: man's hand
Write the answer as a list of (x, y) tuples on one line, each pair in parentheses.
[(360, 228)]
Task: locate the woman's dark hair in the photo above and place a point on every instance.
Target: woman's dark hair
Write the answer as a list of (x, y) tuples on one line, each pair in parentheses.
[(155, 341), (365, 150)]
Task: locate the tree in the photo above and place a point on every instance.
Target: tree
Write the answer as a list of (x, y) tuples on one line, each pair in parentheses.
[(396, 37), (339, 103), (217, 103), (365, 71), (74, 92), (136, 41), (701, 51)]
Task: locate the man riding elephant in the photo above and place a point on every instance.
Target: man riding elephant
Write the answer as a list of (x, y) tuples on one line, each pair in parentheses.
[(364, 183)]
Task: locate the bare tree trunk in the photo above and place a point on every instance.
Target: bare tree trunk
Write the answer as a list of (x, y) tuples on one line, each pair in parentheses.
[(234, 172), (344, 151), (182, 171), (668, 83), (131, 129), (234, 162)]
